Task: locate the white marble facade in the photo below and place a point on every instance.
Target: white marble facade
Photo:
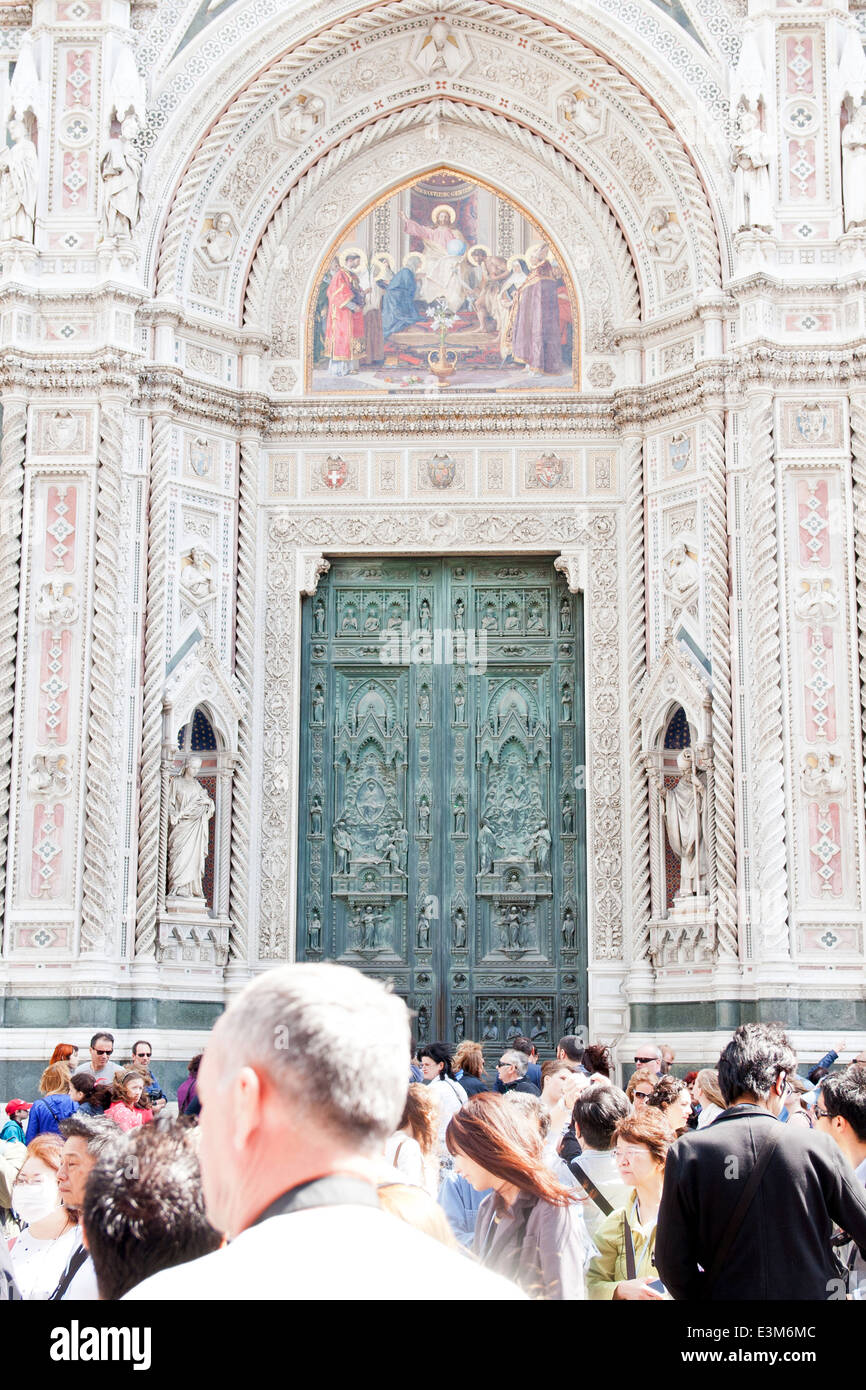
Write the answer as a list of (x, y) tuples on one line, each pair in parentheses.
[(165, 500)]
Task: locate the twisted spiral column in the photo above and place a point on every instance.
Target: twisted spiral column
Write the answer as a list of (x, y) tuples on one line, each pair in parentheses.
[(636, 658), (12, 454), (766, 689), (858, 469), (101, 819), (149, 854), (245, 615), (722, 839)]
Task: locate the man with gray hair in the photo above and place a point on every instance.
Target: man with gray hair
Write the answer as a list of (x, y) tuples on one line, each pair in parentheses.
[(303, 1081), (511, 1071)]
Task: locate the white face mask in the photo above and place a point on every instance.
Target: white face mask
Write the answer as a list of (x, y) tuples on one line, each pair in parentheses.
[(36, 1199)]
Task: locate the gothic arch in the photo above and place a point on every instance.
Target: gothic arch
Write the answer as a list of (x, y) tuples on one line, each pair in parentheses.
[(648, 160)]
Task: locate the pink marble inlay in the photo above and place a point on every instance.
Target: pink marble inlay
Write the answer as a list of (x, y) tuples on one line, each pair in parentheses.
[(60, 528), (825, 850), (813, 518), (799, 61), (46, 861), (819, 690), (79, 67), (54, 686)]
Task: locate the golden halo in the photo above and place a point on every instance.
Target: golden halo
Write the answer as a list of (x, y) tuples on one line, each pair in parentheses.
[(414, 256), (479, 246), (444, 207), (383, 258), (354, 251)]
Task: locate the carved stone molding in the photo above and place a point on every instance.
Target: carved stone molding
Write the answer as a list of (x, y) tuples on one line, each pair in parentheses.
[(12, 501), (588, 540)]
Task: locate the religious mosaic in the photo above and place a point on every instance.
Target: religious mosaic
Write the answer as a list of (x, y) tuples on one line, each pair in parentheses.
[(445, 283)]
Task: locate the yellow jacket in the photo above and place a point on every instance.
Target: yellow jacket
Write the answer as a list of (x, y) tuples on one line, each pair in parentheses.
[(608, 1267)]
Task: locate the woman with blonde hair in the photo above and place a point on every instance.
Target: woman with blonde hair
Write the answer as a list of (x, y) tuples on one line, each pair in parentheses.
[(413, 1149), (56, 1103), (126, 1109), (708, 1096), (640, 1086), (625, 1240), (468, 1067)]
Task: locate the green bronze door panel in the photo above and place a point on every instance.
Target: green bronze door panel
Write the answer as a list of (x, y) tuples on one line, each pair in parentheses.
[(442, 844)]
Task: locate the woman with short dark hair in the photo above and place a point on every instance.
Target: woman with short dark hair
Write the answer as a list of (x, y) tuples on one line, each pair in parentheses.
[(93, 1097), (672, 1097), (528, 1229), (625, 1240)]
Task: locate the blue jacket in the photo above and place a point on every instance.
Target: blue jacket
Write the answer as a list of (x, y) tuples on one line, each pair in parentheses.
[(46, 1114), (460, 1202)]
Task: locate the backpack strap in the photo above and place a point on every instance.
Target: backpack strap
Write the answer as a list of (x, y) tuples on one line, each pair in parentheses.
[(77, 1259), (630, 1262), (590, 1188), (738, 1215)]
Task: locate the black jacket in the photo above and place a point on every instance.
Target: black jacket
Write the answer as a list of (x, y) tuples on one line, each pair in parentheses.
[(522, 1085), (782, 1249)]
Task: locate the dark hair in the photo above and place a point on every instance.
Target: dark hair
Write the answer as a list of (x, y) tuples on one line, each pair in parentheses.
[(96, 1036), (194, 1064), (572, 1047), (818, 1074), (596, 1057), (144, 1208), (438, 1052), (666, 1091), (142, 1042), (495, 1135), (753, 1059), (85, 1082), (96, 1130), (524, 1045), (845, 1095), (597, 1111)]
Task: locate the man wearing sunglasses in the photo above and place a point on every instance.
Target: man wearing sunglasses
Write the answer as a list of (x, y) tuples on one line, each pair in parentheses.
[(101, 1066), (649, 1057), (141, 1055)]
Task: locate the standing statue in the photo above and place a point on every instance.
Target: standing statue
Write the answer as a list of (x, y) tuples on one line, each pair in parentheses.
[(683, 811), (424, 816), (319, 618), (752, 190), (569, 1023), (19, 174), (316, 816), (854, 169), (459, 809), (566, 703), (567, 815), (459, 924), (189, 810), (314, 931), (486, 848), (564, 615), (568, 930), (491, 1031), (342, 847), (121, 175), (540, 844), (459, 1024)]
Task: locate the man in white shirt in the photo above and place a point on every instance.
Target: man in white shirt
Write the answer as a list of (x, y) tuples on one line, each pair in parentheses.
[(597, 1111), (101, 1066), (289, 1167)]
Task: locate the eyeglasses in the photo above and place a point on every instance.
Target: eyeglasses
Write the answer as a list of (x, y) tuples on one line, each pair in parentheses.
[(642, 1095), (638, 1061), (144, 1054), (103, 1051), (503, 1064), (630, 1152), (822, 1114), (29, 1182)]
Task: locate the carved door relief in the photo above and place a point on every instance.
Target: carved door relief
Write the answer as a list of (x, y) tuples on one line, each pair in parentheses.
[(443, 840)]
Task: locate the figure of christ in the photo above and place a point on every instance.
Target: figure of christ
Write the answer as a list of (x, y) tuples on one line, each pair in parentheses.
[(444, 249), (344, 334), (533, 336)]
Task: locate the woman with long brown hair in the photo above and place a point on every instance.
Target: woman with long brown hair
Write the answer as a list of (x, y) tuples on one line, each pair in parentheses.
[(528, 1229), (126, 1109), (412, 1149)]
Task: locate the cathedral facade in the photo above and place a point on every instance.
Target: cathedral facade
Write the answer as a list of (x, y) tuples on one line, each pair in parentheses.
[(433, 525)]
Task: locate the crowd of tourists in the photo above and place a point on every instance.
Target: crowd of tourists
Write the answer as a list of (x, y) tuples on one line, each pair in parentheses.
[(312, 1153)]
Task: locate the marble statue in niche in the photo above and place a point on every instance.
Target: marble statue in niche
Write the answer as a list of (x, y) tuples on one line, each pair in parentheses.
[(19, 178), (751, 161), (854, 169), (121, 178), (683, 810), (189, 810)]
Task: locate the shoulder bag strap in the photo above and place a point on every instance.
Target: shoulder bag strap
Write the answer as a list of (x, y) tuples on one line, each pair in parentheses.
[(738, 1215), (630, 1262), (590, 1188), (77, 1259)]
